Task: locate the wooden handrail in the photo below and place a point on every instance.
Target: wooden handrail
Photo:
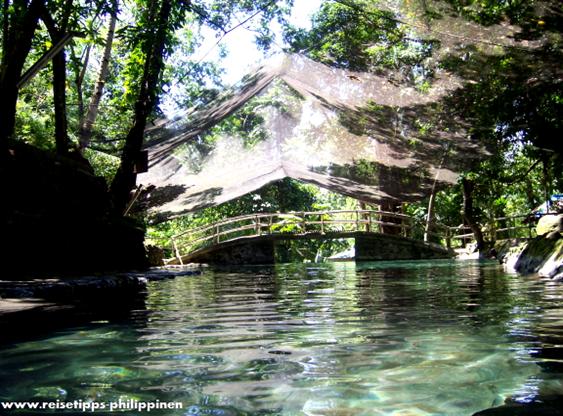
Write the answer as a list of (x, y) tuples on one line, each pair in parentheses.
[(274, 223), (493, 231), (346, 220), (222, 222)]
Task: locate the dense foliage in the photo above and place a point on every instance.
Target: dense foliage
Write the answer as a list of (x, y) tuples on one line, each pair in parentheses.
[(107, 81), (511, 99), (93, 99), (357, 36)]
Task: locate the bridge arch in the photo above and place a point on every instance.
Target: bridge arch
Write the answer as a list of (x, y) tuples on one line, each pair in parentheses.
[(250, 239)]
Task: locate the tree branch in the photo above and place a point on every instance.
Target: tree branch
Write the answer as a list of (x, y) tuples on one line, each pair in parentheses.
[(225, 33), (427, 28)]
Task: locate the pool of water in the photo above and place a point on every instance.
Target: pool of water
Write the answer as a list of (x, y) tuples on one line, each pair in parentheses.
[(400, 338)]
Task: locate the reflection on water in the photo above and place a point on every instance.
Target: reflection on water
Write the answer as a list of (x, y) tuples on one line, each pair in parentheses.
[(420, 338)]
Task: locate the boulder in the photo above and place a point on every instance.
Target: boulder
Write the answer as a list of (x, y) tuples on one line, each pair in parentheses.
[(57, 217), (549, 224), (553, 265), (543, 256)]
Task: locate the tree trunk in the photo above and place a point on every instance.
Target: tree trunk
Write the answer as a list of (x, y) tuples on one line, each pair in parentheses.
[(530, 196), (125, 178), (62, 140), (59, 78), (80, 68), (5, 24), (546, 179), (468, 214), (19, 29), (86, 126), (389, 206)]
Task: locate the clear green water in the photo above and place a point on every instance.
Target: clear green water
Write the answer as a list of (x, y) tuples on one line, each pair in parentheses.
[(420, 338)]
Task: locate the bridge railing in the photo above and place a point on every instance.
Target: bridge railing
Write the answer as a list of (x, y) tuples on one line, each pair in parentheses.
[(515, 226), (303, 223), (343, 221), (512, 227)]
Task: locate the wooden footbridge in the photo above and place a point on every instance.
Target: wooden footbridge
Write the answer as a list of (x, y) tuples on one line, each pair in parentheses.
[(249, 239), (379, 235)]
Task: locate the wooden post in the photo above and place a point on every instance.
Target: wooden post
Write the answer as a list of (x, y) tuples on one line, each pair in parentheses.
[(217, 234), (380, 218), (176, 251), (429, 216), (322, 223), (368, 225), (257, 227), (493, 227), (303, 223), (357, 221), (270, 222)]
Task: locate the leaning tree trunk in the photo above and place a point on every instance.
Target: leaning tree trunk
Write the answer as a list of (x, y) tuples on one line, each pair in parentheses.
[(468, 214), (125, 178), (18, 30), (80, 67), (87, 125)]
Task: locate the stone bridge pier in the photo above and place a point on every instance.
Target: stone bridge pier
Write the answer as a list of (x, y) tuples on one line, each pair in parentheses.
[(371, 247), (259, 251)]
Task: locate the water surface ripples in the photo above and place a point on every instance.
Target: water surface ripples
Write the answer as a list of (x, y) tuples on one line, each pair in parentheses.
[(419, 338)]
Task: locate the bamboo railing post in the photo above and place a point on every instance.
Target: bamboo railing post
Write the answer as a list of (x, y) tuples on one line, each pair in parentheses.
[(176, 251), (357, 221), (257, 228), (381, 220), (322, 224), (494, 229), (270, 222)]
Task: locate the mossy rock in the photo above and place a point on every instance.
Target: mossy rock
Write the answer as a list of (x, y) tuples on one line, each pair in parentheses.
[(545, 254)]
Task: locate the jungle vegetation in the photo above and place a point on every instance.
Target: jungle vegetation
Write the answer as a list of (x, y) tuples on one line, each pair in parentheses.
[(116, 60)]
